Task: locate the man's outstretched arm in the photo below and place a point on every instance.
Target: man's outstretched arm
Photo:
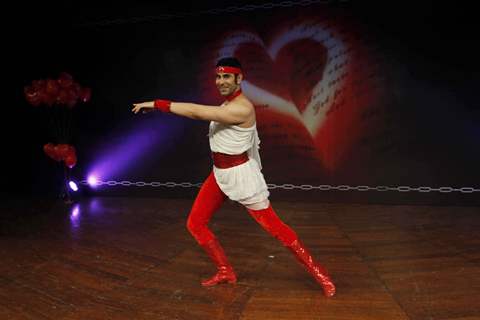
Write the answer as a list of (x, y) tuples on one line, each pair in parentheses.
[(232, 114)]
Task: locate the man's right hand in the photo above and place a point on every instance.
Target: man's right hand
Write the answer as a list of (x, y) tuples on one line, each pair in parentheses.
[(143, 106)]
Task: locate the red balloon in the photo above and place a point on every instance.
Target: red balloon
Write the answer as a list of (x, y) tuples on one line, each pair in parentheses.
[(63, 150), (57, 153), (71, 161), (85, 94), (62, 97), (71, 97), (34, 100), (52, 87), (32, 96), (71, 150), (49, 99), (39, 85), (50, 150)]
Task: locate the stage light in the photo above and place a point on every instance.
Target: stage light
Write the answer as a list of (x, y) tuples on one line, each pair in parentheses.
[(92, 181), (73, 185), (150, 136)]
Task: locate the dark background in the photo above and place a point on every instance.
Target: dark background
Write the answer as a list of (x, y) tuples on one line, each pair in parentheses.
[(134, 52)]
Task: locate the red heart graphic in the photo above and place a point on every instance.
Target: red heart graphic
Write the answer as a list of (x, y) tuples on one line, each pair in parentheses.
[(309, 91), (297, 68)]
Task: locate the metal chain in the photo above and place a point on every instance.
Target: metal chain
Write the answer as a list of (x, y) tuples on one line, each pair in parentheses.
[(288, 186), (215, 11)]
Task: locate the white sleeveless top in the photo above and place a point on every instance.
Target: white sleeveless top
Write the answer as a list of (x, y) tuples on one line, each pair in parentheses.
[(243, 183)]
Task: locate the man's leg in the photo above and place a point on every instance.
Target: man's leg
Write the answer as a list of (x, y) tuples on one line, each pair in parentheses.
[(268, 219), (208, 200)]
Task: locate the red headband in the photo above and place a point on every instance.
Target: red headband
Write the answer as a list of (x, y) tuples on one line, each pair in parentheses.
[(228, 70)]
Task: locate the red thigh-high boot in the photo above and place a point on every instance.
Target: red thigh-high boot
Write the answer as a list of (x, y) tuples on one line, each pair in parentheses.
[(208, 200), (272, 223)]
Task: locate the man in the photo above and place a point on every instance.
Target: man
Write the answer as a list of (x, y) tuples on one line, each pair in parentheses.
[(236, 173)]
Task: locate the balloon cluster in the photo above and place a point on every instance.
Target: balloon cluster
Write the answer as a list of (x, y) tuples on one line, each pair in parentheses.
[(62, 152), (61, 91)]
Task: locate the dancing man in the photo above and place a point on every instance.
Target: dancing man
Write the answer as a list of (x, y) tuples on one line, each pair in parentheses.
[(236, 173)]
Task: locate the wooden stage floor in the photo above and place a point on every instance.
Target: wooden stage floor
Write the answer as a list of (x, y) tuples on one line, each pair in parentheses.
[(132, 258)]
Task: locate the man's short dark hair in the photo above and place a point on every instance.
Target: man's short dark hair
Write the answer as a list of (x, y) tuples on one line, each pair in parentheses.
[(229, 62)]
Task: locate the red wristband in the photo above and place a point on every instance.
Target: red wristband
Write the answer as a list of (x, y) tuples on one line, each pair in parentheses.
[(162, 105)]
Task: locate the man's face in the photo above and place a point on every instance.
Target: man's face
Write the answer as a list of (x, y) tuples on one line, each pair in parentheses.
[(227, 83)]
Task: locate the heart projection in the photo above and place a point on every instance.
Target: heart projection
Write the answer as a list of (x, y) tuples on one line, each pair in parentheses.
[(310, 85)]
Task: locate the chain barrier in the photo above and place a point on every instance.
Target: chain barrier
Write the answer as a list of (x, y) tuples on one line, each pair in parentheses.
[(215, 11), (288, 186)]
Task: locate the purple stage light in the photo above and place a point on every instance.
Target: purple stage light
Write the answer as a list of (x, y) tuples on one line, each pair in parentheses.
[(153, 135), (92, 181)]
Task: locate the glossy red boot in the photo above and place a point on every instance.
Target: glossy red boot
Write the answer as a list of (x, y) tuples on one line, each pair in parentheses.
[(225, 271), (314, 268)]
